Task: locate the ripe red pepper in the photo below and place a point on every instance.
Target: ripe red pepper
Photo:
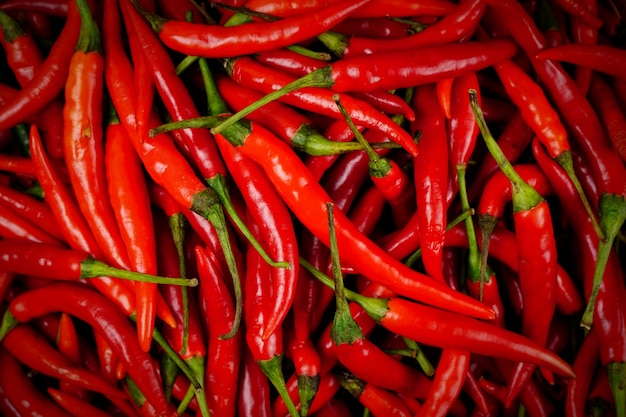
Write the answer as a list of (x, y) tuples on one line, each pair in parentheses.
[(75, 406), (113, 325), (14, 226), (215, 41), (379, 401)]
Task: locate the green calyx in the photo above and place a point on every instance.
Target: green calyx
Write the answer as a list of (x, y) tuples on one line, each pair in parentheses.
[(11, 30), (272, 368), (617, 381), (89, 38), (92, 268), (307, 389)]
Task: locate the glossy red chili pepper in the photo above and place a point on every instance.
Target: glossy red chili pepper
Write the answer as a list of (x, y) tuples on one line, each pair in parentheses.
[(579, 9), (379, 401), (50, 7), (335, 407), (14, 226), (109, 322), (604, 99), (68, 344), (77, 233), (246, 71), (223, 356), (84, 140), (457, 24), (50, 78), (277, 158), (33, 350), (19, 396), (431, 177), (30, 208), (306, 363), (73, 405), (368, 210), (214, 41), (253, 389), (128, 194)]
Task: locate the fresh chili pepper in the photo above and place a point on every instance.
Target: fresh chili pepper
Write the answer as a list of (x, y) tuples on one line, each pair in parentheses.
[(453, 330), (455, 25), (50, 78), (128, 194), (335, 407), (603, 98), (89, 306), (379, 401), (307, 365), (20, 396), (368, 210), (77, 233), (214, 41), (245, 71), (328, 388), (54, 262), (537, 253), (50, 7), (32, 349), (253, 389), (431, 177), (221, 377), (15, 226), (68, 344), (74, 406), (579, 9)]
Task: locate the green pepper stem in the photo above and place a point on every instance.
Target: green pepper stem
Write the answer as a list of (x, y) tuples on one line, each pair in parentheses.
[(344, 329), (92, 268), (420, 357), (89, 38), (617, 381), (318, 78), (612, 216), (524, 196), (8, 322), (307, 389), (272, 368)]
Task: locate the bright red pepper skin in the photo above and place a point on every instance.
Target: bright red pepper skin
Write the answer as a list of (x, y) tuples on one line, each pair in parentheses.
[(307, 200), (253, 391), (73, 405), (112, 324), (14, 226), (213, 41)]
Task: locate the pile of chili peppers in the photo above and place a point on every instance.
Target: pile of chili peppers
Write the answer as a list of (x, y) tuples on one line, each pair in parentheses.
[(350, 208)]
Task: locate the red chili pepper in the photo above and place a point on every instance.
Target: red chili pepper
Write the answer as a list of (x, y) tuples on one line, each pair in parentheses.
[(19, 396), (50, 78), (30, 208), (431, 177), (14, 226), (245, 71), (33, 350), (50, 7), (328, 388), (224, 356), (214, 41), (253, 390), (73, 405), (109, 322), (457, 24), (277, 158), (128, 194), (579, 9), (68, 343), (379, 401), (603, 98)]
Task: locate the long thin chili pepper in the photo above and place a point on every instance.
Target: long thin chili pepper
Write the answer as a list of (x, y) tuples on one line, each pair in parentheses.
[(431, 177), (89, 306), (77, 233), (379, 401), (537, 253), (253, 389), (68, 343), (84, 141), (413, 320), (54, 262), (215, 41), (277, 159), (74, 406), (15, 226), (224, 356), (130, 201), (53, 8), (603, 98), (33, 350), (20, 396), (49, 80)]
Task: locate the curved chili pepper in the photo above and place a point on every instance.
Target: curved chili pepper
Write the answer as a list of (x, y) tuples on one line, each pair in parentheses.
[(603, 98), (31, 208), (379, 401), (431, 177), (73, 405), (245, 71), (110, 323), (20, 396), (33, 350), (49, 261), (368, 210), (50, 78), (455, 25), (277, 158), (50, 7), (77, 233), (222, 368), (68, 344), (128, 194), (15, 226), (453, 330), (214, 41)]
